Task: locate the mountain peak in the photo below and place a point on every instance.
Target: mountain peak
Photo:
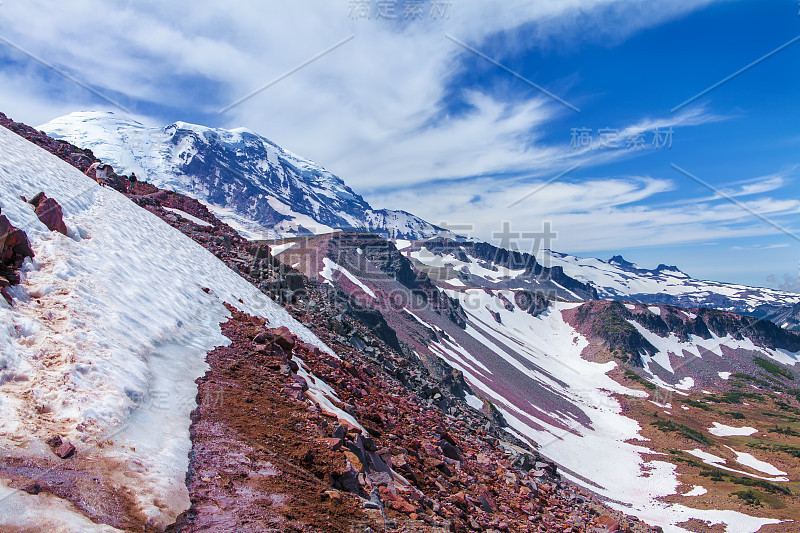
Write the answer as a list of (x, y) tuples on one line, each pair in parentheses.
[(621, 261)]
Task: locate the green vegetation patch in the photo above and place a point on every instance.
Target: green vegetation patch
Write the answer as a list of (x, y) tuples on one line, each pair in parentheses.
[(794, 451), (700, 405), (773, 368), (670, 426), (733, 396), (749, 496), (633, 376), (786, 430), (752, 379), (715, 474)]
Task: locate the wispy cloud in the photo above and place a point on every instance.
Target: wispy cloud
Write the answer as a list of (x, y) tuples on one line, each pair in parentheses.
[(594, 214), (365, 111)]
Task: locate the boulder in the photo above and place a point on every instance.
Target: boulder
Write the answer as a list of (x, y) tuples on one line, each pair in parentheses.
[(284, 338), (49, 212), (608, 523), (14, 244), (348, 481), (487, 502)]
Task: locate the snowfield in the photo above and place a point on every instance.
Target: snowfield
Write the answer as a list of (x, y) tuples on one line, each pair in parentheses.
[(108, 332)]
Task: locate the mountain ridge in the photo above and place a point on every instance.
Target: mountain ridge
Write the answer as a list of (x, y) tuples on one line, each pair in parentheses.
[(266, 192)]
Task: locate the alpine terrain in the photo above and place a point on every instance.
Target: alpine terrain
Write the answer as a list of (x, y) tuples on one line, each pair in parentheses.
[(236, 341)]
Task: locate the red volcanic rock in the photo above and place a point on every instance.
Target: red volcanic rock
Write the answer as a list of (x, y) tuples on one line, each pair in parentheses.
[(14, 244), (607, 522), (14, 248), (65, 450), (49, 212), (394, 501)]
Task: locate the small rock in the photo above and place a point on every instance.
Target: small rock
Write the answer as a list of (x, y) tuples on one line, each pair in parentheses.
[(65, 450), (333, 443), (334, 495), (607, 522), (31, 488), (284, 338)]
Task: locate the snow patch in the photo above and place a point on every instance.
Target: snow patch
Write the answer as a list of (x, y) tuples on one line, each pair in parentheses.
[(751, 462), (329, 267), (721, 430), (190, 218), (697, 490)]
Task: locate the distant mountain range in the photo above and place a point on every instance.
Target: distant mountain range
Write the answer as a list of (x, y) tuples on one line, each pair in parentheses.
[(618, 279), (267, 192)]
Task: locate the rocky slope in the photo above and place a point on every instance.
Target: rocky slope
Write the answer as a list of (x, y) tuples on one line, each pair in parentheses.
[(479, 264), (567, 376)]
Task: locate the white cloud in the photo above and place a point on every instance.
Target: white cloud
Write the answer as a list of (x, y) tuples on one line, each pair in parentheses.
[(789, 283), (369, 110), (360, 110)]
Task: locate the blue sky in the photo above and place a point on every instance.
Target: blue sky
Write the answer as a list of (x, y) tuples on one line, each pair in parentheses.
[(413, 120)]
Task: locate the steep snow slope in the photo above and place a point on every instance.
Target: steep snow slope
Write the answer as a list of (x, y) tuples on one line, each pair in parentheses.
[(618, 279), (251, 183), (107, 334)]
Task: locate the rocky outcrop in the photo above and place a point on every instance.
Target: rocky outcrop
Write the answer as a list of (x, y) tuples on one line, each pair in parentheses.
[(551, 280), (14, 248), (384, 256), (267, 457)]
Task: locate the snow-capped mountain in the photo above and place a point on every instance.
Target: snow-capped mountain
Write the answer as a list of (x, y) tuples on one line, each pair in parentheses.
[(251, 183), (479, 264)]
